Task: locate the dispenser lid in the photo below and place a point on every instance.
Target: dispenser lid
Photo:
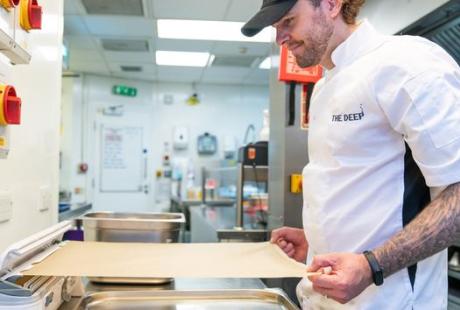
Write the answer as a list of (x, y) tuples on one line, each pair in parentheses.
[(22, 251)]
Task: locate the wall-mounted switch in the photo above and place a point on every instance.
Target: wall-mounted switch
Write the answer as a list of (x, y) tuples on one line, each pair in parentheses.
[(45, 202), (6, 206)]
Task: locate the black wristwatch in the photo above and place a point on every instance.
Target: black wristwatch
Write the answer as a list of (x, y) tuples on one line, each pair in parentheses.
[(377, 270)]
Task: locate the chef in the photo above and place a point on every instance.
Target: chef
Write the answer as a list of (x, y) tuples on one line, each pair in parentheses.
[(381, 189)]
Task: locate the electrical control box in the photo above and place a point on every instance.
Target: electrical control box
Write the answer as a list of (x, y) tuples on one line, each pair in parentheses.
[(30, 15)]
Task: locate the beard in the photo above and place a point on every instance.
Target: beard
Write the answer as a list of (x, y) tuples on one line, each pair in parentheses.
[(315, 43)]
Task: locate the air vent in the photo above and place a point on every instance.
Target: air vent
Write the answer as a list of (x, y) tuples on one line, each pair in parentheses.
[(114, 7), (125, 45), (234, 61), (131, 68)]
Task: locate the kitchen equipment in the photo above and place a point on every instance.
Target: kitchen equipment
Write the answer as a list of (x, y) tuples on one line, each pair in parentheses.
[(132, 227), (37, 292), (251, 299), (254, 154)]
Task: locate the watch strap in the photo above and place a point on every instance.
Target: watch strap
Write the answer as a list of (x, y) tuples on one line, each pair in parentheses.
[(376, 269)]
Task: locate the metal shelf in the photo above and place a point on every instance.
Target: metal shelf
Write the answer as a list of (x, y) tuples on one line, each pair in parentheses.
[(255, 174), (454, 299), (454, 274)]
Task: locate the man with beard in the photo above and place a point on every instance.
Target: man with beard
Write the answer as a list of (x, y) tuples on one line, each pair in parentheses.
[(381, 191)]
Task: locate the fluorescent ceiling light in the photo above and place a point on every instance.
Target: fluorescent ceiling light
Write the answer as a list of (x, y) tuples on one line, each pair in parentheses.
[(207, 30), (266, 64), (185, 59)]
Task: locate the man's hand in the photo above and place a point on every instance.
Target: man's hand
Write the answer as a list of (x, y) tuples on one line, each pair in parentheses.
[(350, 275), (292, 241)]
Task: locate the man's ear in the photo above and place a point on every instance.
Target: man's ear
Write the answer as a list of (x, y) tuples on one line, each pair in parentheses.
[(333, 7)]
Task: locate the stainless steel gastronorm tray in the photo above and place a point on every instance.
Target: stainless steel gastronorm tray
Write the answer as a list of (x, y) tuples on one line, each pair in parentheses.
[(132, 227), (263, 299)]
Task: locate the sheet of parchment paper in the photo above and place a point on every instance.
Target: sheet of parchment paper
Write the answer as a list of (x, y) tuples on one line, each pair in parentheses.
[(152, 260)]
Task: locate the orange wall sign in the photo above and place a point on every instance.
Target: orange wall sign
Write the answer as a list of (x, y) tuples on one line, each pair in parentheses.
[(290, 72)]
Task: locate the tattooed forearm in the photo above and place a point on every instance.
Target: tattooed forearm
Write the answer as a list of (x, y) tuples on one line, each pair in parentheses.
[(434, 229)]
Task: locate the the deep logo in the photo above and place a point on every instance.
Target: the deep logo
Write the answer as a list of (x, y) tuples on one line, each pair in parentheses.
[(349, 117)]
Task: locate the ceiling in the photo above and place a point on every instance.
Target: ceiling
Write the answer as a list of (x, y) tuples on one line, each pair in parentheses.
[(95, 29)]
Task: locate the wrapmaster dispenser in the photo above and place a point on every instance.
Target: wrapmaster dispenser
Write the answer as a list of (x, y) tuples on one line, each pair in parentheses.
[(35, 292)]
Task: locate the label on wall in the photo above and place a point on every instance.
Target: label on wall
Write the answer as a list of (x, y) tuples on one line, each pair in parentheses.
[(289, 71), (4, 142)]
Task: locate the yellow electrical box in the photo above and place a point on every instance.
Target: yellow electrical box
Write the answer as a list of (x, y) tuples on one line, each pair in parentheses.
[(296, 183)]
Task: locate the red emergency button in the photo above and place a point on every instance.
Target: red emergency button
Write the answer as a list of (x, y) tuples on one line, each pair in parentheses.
[(8, 4), (31, 15), (10, 106)]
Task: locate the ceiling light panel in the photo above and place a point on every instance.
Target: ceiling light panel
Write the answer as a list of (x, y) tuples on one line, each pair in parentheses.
[(185, 59), (114, 7), (116, 45), (233, 61), (207, 30)]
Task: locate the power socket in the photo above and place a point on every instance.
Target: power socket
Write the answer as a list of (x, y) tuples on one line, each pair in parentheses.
[(45, 202), (6, 206)]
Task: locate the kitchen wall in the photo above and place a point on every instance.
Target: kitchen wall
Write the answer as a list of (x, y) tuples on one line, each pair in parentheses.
[(224, 111), (30, 173), (391, 16)]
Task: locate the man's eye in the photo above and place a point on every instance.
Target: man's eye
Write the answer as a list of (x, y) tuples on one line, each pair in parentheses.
[(288, 22)]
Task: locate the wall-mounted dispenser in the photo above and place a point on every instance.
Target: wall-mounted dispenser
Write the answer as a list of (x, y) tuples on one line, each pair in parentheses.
[(30, 15), (180, 138)]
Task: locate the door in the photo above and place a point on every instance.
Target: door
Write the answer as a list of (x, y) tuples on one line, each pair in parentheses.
[(121, 179)]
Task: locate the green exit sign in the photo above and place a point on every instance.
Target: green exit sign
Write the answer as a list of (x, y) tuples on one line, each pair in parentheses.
[(122, 90)]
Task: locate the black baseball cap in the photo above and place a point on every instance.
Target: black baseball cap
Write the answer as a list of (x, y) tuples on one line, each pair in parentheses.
[(270, 12)]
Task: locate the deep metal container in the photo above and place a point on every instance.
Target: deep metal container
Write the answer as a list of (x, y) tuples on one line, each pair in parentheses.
[(132, 227), (266, 299)]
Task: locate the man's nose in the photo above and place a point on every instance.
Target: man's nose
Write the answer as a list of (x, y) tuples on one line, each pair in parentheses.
[(281, 37)]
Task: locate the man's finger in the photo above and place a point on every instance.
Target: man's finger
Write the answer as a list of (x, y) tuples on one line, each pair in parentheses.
[(281, 243), (320, 261), (289, 247), (291, 253)]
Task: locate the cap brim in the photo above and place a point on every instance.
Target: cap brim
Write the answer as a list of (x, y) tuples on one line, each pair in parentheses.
[(267, 16)]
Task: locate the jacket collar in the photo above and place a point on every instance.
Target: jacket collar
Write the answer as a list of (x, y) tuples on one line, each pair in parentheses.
[(362, 41)]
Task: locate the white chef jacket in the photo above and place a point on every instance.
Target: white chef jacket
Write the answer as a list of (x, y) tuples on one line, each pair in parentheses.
[(384, 131)]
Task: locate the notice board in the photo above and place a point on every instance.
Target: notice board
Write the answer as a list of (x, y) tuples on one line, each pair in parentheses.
[(121, 159)]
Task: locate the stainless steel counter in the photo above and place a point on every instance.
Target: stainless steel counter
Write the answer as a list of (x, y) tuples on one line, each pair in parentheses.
[(206, 221), (75, 211)]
